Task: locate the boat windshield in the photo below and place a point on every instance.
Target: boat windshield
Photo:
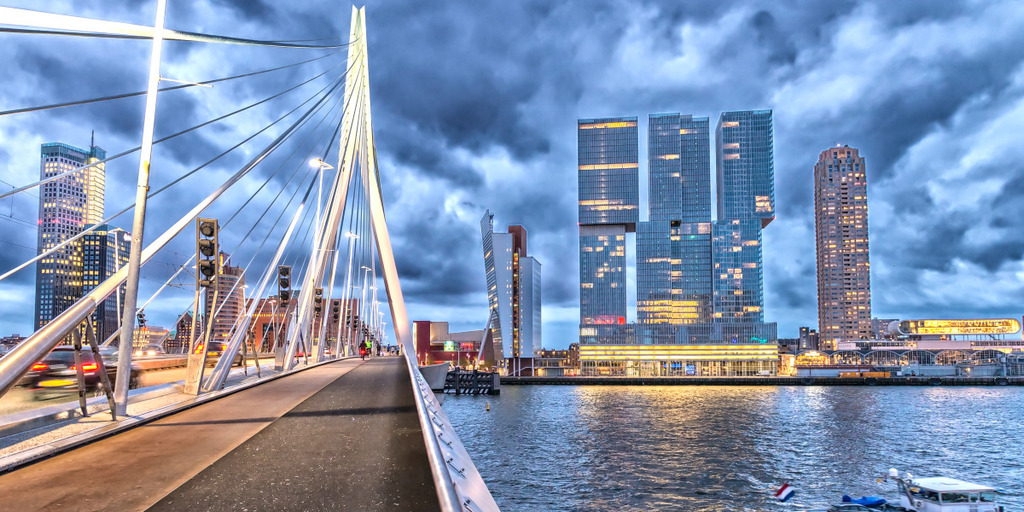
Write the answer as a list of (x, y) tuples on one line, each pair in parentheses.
[(988, 497), (924, 494), (959, 497)]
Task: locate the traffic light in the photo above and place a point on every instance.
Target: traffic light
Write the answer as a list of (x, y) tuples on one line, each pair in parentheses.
[(207, 247), (335, 311), (284, 283), (318, 300), (141, 316)]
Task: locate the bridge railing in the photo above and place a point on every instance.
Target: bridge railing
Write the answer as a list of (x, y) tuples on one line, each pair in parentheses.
[(459, 485)]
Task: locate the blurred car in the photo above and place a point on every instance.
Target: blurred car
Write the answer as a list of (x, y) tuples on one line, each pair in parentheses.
[(150, 350), (57, 373)]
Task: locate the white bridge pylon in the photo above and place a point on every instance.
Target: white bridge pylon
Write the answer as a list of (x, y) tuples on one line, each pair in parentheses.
[(357, 153)]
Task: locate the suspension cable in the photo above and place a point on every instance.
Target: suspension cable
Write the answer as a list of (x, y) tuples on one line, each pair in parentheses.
[(162, 89)]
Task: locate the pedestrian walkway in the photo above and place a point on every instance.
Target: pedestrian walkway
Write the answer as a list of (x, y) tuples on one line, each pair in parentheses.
[(342, 436)]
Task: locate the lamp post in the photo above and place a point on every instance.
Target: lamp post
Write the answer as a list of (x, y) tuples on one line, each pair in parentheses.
[(362, 302), (321, 166), (346, 294)]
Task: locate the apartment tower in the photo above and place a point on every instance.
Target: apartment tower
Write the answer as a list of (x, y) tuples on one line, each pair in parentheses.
[(841, 239)]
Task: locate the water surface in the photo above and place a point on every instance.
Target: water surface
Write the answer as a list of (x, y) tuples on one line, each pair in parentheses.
[(710, 448)]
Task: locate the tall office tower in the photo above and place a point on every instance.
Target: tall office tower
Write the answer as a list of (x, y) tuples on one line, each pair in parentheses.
[(609, 204), (66, 206), (841, 236), (674, 247), (513, 293), (104, 251), (230, 299), (746, 205)]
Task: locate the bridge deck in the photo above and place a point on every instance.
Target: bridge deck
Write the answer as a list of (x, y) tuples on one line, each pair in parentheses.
[(343, 436)]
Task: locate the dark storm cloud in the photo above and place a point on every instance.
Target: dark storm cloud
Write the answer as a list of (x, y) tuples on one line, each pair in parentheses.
[(474, 108)]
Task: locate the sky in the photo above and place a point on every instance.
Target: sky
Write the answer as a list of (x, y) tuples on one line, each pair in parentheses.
[(475, 107)]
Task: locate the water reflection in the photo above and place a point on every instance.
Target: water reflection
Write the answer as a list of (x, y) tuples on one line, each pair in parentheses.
[(705, 448)]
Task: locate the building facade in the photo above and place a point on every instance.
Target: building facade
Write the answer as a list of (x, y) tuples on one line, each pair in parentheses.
[(674, 247), (104, 251), (841, 241), (745, 176), (225, 300), (513, 293), (66, 206), (609, 204)]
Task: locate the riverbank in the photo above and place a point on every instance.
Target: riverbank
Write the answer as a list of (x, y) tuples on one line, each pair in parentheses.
[(763, 381)]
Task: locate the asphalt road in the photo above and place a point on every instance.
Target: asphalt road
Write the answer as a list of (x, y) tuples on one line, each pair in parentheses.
[(354, 445)]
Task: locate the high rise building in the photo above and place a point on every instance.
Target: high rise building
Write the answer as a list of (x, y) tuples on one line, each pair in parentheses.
[(746, 204), (66, 206), (841, 236), (674, 246), (104, 251), (609, 204), (229, 304), (513, 293)]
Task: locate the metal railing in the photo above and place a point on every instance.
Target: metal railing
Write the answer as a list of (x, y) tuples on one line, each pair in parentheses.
[(459, 485)]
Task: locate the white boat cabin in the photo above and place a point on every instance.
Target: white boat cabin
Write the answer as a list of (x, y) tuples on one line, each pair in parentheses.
[(942, 494)]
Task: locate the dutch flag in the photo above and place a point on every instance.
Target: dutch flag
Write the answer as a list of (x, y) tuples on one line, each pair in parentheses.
[(784, 493)]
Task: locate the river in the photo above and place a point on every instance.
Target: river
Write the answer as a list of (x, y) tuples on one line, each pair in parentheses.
[(712, 448)]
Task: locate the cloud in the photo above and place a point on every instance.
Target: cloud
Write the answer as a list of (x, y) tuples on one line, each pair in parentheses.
[(474, 108)]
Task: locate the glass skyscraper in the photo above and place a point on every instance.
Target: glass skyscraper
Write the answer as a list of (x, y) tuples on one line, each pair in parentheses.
[(609, 203), (104, 251), (66, 206), (674, 247), (746, 204)]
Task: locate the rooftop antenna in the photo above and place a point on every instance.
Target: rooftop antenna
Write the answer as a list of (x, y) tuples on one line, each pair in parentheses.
[(92, 141)]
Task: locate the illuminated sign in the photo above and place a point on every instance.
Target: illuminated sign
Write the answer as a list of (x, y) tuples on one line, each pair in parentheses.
[(965, 326), (758, 340), (449, 346)]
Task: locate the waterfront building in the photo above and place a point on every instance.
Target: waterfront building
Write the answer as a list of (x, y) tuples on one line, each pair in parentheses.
[(808, 339), (746, 205), (66, 206), (435, 344), (513, 293), (104, 251), (674, 246), (880, 328), (609, 203), (225, 300), (841, 241), (929, 347), (714, 360)]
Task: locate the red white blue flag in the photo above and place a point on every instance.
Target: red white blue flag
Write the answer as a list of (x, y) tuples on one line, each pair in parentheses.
[(784, 493)]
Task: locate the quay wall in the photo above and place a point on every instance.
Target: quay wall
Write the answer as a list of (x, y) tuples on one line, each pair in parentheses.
[(764, 381)]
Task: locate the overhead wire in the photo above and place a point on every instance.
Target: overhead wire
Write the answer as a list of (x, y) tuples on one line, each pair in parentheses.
[(61, 24), (162, 89), (163, 139), (158, 191)]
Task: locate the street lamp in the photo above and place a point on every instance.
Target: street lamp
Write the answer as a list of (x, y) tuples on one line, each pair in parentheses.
[(321, 166), (346, 295)]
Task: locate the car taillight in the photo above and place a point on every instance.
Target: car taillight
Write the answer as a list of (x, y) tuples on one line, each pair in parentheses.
[(38, 367), (89, 367)]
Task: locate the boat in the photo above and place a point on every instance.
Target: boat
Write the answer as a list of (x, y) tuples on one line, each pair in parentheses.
[(943, 494), (435, 375), (934, 494)]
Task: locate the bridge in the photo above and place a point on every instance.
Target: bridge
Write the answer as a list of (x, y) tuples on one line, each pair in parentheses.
[(274, 405)]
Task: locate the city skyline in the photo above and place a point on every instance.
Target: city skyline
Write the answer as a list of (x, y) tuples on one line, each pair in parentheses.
[(936, 118)]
